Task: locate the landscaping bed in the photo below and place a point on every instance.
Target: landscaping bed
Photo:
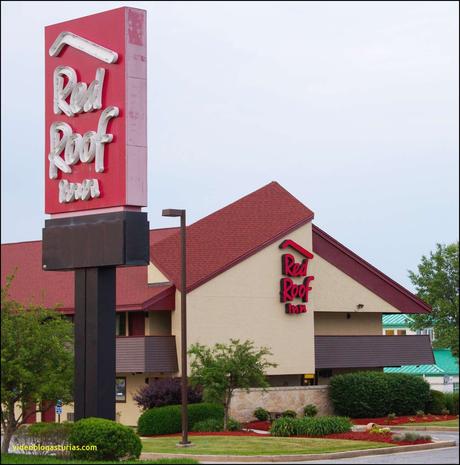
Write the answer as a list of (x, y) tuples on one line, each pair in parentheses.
[(404, 419), (251, 445), (374, 437), (210, 433)]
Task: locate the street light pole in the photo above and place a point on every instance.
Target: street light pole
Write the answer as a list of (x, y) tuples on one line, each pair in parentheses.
[(184, 380)]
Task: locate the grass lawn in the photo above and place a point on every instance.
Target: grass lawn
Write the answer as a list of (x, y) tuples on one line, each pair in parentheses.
[(452, 423), (251, 445), (26, 459)]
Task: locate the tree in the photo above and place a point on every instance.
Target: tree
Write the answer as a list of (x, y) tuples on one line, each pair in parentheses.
[(36, 361), (437, 284), (225, 367)]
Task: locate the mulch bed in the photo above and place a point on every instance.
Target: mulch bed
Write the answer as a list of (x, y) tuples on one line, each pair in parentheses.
[(373, 437), (260, 425), (213, 433), (400, 420)]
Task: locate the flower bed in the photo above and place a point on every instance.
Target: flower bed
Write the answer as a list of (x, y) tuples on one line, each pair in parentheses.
[(374, 437), (401, 420)]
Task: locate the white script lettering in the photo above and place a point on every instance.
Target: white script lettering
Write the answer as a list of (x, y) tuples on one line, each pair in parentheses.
[(82, 97), (75, 147), (70, 191)]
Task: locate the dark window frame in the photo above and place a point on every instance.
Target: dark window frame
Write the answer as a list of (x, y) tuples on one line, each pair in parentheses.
[(116, 399)]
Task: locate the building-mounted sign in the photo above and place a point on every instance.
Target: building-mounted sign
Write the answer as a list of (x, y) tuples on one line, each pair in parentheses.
[(290, 290), (95, 112)]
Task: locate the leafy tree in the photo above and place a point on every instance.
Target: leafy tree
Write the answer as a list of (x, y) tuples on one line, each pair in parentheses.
[(36, 361), (437, 284), (225, 367)]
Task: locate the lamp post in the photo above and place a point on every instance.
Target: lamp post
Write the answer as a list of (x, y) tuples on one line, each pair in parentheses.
[(183, 301)]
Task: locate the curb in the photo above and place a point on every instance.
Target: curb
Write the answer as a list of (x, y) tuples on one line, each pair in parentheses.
[(298, 458)]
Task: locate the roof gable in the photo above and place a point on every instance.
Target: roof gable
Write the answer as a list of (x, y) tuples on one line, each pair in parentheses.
[(364, 273), (230, 235), (56, 288)]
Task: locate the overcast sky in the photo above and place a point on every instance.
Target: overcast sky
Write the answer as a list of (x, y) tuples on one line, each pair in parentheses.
[(352, 107)]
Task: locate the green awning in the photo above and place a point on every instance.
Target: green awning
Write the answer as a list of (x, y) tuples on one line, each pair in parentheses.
[(420, 370)]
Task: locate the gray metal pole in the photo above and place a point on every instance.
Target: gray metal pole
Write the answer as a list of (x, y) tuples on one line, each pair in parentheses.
[(184, 380)]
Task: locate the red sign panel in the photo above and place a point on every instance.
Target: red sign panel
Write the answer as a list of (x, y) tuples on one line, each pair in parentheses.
[(289, 289), (95, 94)]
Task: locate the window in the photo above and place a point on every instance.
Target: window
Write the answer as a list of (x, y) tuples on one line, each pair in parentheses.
[(325, 373), (455, 387), (389, 332), (401, 332), (120, 324), (120, 389)]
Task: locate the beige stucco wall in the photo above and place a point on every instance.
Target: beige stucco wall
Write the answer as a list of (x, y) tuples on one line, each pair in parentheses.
[(158, 323), (337, 324), (278, 399), (243, 303), (335, 291), (154, 275)]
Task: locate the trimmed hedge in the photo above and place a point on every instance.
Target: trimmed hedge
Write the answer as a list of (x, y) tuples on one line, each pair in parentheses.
[(451, 401), (309, 426), (113, 441), (167, 420), (376, 394), (436, 403), (407, 393)]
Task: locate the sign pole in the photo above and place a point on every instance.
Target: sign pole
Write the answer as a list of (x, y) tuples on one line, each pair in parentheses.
[(95, 291), (96, 180)]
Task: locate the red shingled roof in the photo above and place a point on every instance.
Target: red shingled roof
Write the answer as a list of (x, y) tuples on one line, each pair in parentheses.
[(50, 288), (214, 244), (228, 236)]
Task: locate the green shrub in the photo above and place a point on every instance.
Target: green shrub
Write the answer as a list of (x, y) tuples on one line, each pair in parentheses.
[(261, 414), (167, 420), (284, 427), (310, 410), (309, 426), (289, 414), (233, 425), (376, 394), (44, 434), (215, 425), (113, 441), (411, 436), (407, 393), (436, 403), (209, 425), (451, 400)]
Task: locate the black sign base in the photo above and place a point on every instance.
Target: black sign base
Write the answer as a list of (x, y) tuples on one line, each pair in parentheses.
[(93, 246), (106, 239), (95, 343)]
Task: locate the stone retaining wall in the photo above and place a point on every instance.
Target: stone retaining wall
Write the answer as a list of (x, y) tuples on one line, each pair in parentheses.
[(278, 399)]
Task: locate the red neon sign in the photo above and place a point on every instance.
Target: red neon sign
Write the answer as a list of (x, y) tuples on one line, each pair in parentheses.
[(95, 112), (289, 290)]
